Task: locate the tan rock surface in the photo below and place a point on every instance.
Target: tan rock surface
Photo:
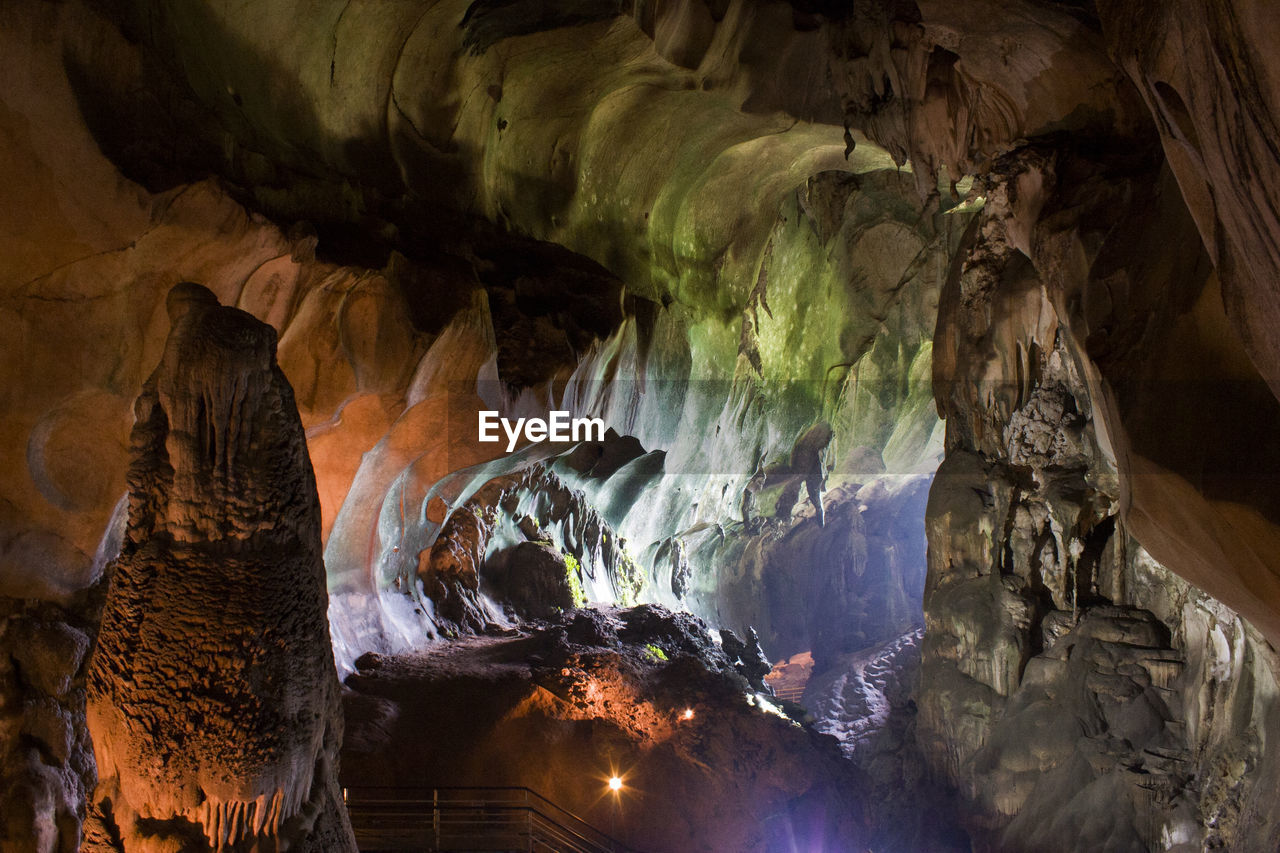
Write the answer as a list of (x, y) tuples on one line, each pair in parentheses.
[(212, 696)]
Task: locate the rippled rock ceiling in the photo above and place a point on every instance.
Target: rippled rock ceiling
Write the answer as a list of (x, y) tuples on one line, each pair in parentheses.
[(769, 244)]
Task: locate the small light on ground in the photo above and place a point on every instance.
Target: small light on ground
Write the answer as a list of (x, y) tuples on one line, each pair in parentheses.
[(615, 783), (687, 715)]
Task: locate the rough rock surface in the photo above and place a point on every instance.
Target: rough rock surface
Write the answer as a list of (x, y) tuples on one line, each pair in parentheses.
[(379, 349), (527, 541), (867, 701), (46, 771), (834, 584), (562, 708), (212, 696), (1213, 88), (1077, 693), (1106, 353), (533, 578), (1062, 109)]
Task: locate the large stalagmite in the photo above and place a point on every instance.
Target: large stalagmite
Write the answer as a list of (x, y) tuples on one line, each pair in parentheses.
[(212, 694)]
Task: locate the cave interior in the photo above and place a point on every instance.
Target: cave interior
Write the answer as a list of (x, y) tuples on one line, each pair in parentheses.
[(740, 426)]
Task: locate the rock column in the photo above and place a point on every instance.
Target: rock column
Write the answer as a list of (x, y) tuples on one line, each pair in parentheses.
[(213, 701)]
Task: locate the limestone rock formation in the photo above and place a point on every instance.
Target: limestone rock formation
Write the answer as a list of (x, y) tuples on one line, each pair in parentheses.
[(212, 696), (561, 708), (46, 771), (467, 211), (378, 355), (1065, 671), (534, 579), (450, 569), (1130, 148), (867, 701), (1211, 83)]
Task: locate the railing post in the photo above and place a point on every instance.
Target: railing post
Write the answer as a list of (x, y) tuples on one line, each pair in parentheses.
[(435, 816)]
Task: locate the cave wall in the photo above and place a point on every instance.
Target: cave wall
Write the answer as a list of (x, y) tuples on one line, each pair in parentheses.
[(1102, 354), (1063, 666), (946, 68), (1204, 72), (384, 359), (834, 246), (939, 84), (1103, 397)]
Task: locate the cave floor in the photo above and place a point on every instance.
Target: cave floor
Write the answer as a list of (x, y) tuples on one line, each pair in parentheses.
[(640, 695)]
